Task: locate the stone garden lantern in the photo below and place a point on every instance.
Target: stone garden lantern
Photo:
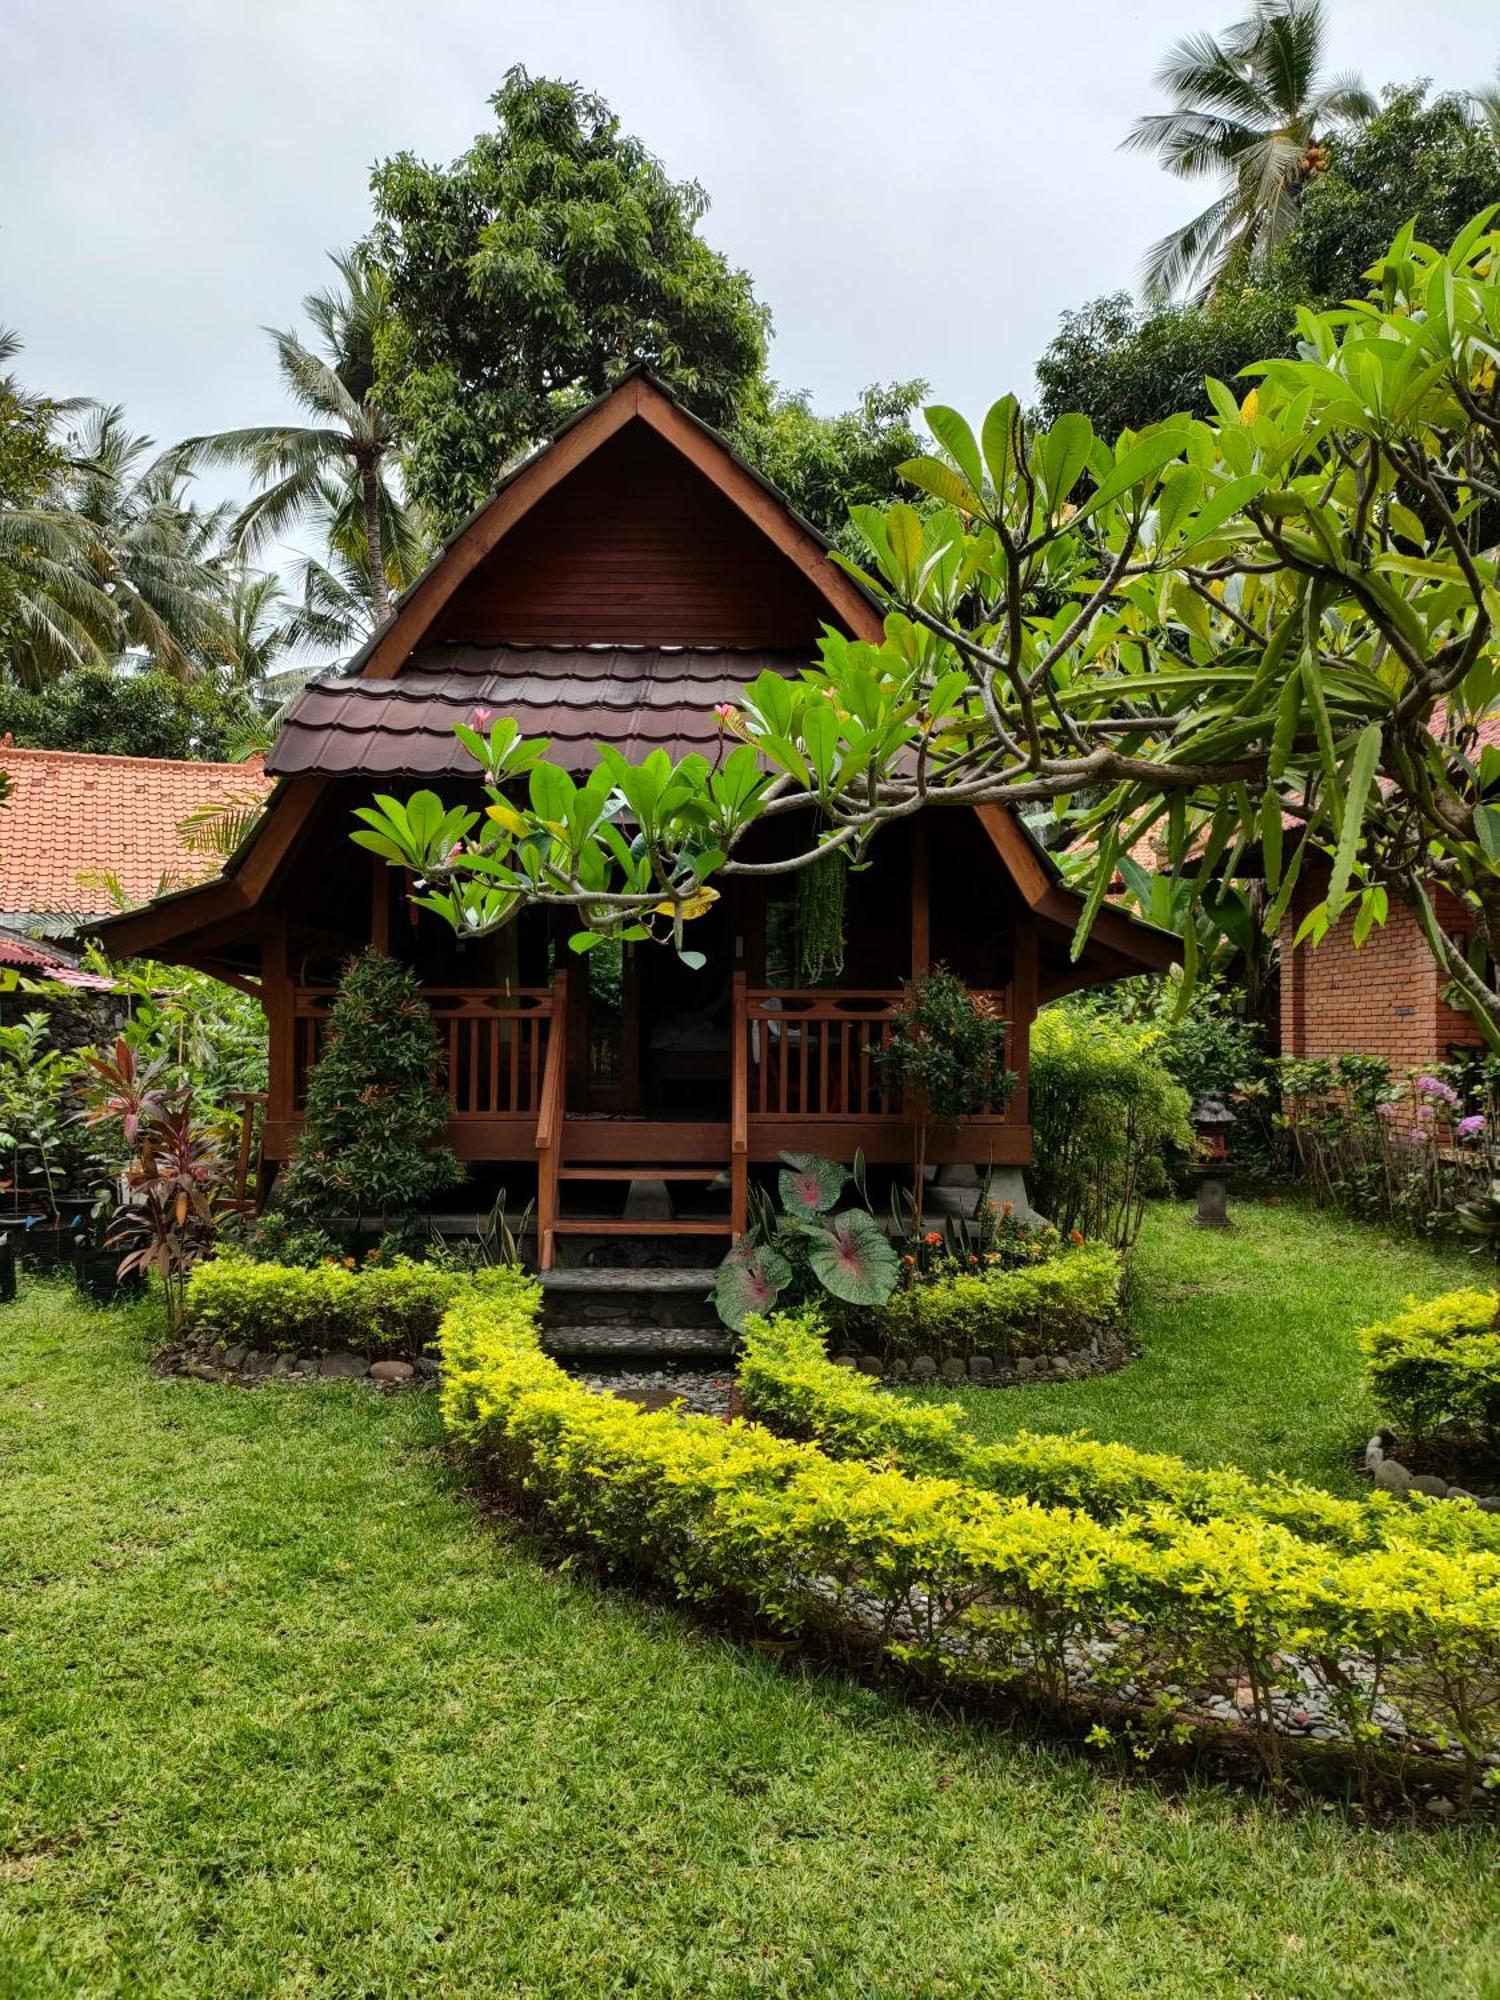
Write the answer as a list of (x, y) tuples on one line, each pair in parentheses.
[(1211, 1120)]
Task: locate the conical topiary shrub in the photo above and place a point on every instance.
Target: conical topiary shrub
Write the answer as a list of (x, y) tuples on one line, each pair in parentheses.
[(376, 1108)]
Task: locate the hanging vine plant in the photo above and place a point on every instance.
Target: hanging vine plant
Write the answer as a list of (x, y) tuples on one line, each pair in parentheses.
[(820, 919)]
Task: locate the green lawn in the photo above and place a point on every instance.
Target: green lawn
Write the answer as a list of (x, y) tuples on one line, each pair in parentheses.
[(1248, 1343), (281, 1715)]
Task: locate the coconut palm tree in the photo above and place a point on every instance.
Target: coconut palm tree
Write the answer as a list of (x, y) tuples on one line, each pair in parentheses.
[(155, 555), (1486, 104), (350, 442), (99, 558), (1251, 107), (53, 613)]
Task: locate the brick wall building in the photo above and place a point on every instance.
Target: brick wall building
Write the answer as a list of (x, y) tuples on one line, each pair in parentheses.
[(1385, 999)]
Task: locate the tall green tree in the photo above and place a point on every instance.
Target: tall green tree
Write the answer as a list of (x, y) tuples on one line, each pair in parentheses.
[(1424, 159), (550, 256), (1253, 109), (828, 465), (343, 462)]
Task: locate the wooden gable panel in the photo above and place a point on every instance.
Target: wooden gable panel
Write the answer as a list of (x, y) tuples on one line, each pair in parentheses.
[(637, 547)]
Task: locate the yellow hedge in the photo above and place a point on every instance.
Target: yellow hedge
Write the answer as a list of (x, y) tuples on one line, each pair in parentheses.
[(976, 1586)]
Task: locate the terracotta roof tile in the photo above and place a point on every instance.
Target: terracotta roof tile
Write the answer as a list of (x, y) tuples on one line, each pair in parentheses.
[(36, 959), (69, 814)]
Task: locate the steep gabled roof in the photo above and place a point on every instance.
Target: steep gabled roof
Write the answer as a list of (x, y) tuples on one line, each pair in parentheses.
[(392, 713)]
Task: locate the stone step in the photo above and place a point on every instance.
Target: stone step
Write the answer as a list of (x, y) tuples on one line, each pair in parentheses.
[(584, 1225), (615, 1342), (612, 1278)]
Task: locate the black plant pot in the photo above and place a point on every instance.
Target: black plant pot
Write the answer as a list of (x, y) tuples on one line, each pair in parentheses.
[(97, 1274), (7, 1268), (49, 1246)]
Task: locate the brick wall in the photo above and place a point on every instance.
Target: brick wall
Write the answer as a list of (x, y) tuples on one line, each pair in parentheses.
[(1382, 1000)]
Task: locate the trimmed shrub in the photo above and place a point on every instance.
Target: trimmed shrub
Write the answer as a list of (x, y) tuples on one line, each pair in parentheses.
[(1104, 1111), (390, 1309), (788, 1381), (1436, 1367), (968, 1586), (376, 1108), (1036, 1309)]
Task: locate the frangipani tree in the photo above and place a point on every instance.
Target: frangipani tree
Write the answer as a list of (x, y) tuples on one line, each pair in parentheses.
[(1275, 629)]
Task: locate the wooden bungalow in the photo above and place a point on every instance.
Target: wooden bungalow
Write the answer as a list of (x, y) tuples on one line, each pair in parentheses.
[(621, 582)]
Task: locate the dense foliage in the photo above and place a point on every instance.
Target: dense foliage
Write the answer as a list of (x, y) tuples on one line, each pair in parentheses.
[(551, 255), (1435, 1370), (827, 466), (376, 1110), (969, 1588), (1417, 159), (388, 1308), (183, 1029), (1046, 1308), (148, 714), (1416, 1152), (1105, 1115)]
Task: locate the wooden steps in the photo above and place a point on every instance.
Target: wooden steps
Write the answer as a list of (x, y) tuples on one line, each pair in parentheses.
[(706, 1175)]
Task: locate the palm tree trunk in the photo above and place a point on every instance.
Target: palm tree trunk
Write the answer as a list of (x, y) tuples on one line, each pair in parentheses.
[(380, 596)]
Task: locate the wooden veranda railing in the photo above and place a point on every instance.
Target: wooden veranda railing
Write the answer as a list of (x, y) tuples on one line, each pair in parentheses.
[(494, 1043), (814, 1053)]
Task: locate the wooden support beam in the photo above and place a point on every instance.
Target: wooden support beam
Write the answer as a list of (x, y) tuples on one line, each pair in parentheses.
[(921, 897), (380, 903)]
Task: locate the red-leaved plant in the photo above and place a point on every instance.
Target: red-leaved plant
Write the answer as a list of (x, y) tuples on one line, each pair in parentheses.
[(175, 1171)]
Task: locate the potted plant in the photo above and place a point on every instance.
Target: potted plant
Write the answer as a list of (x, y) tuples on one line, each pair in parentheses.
[(946, 1054)]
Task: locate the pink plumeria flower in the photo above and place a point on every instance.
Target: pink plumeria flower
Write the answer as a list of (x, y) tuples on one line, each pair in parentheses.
[(483, 717)]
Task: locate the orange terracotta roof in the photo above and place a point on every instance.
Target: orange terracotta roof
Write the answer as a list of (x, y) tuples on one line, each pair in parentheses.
[(70, 815)]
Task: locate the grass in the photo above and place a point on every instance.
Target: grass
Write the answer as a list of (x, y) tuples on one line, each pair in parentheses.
[(282, 1716), (1248, 1343)]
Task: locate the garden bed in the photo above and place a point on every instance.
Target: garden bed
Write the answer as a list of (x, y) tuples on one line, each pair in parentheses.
[(1279, 1615)]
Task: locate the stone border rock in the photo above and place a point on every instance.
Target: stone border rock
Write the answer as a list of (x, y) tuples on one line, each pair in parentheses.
[(1392, 1476), (248, 1367), (1106, 1352)]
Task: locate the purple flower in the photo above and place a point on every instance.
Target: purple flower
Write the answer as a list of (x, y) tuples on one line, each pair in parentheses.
[(1434, 1086), (1470, 1128)]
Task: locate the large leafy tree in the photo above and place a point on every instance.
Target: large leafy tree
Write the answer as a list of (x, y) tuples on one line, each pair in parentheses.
[(1418, 159), (1276, 627), (526, 276), (826, 466), (134, 714), (1252, 108), (341, 464)]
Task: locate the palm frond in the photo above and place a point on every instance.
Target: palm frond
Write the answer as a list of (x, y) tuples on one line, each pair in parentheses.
[(1178, 260), (220, 828)]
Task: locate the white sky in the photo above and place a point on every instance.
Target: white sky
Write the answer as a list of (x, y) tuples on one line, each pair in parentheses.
[(916, 190)]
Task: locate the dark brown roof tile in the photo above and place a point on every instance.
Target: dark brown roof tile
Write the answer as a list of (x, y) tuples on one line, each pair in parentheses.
[(635, 697)]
